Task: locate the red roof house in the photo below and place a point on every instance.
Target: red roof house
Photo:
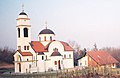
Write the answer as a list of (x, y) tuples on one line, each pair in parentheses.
[(98, 58)]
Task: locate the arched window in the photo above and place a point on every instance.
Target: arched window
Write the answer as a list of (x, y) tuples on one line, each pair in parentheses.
[(19, 47), (39, 38), (44, 38), (42, 57), (64, 56), (27, 59), (25, 32), (55, 62), (50, 38), (27, 47), (69, 55), (18, 32), (24, 47), (46, 57)]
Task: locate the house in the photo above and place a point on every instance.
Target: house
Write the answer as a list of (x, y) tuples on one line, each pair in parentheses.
[(97, 58), (46, 54)]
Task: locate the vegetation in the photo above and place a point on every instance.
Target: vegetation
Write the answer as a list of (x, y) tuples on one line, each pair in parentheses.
[(6, 55), (68, 73)]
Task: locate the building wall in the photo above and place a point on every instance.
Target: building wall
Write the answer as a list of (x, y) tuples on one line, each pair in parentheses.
[(83, 62), (41, 63), (23, 41), (68, 59), (51, 64), (91, 62), (45, 38)]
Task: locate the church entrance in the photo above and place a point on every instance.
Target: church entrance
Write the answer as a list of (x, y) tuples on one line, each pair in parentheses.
[(19, 67), (59, 67)]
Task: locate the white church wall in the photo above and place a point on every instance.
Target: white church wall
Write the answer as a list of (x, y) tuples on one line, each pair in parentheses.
[(41, 63), (56, 58), (23, 22), (27, 58), (68, 59), (68, 63), (25, 67), (56, 44), (48, 65)]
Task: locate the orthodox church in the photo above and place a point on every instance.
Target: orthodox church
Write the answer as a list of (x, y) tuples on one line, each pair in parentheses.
[(46, 54)]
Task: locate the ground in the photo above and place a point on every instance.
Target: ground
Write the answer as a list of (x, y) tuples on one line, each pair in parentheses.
[(6, 68)]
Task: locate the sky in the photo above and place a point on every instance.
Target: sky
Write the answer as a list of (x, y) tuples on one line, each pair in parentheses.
[(84, 21)]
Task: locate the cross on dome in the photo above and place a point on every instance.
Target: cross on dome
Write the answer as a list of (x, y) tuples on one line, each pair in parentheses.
[(22, 7), (46, 24)]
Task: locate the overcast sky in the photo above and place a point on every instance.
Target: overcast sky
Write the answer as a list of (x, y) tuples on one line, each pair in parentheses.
[(84, 21)]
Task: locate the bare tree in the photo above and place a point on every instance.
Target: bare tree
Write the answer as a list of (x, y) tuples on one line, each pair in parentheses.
[(74, 45), (115, 52), (6, 55)]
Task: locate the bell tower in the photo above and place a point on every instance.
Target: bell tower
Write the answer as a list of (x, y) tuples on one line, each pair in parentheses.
[(23, 31)]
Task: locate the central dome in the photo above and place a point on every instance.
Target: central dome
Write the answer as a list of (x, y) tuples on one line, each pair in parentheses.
[(46, 31)]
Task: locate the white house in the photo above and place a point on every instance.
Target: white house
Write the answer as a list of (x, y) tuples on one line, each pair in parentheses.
[(39, 56)]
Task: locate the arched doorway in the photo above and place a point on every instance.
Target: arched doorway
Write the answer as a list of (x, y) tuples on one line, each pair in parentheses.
[(19, 67), (59, 67)]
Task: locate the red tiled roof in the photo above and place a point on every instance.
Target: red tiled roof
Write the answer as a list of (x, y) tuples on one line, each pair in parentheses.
[(102, 57), (25, 53), (66, 46), (38, 46)]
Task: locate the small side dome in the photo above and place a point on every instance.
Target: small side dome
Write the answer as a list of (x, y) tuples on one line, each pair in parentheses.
[(22, 13), (46, 31)]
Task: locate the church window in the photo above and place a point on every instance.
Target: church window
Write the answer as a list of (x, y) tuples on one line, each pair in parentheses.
[(24, 47), (69, 55), (80, 64), (39, 38), (85, 62), (29, 65), (27, 47), (44, 38), (42, 57), (64, 56), (46, 57), (25, 32), (19, 32), (34, 58), (19, 47), (55, 62), (50, 38)]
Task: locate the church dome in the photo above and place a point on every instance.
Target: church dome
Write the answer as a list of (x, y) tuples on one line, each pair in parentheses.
[(46, 31), (22, 13)]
